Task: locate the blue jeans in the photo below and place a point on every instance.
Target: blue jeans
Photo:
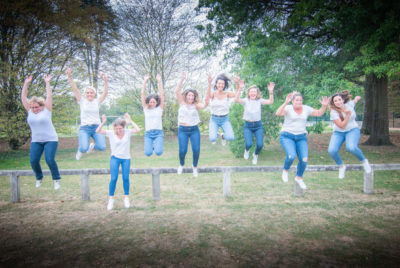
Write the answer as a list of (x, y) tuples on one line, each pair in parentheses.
[(115, 162), (184, 134), (153, 139), (85, 132), (256, 128), (50, 149), (295, 145), (352, 138), (220, 121)]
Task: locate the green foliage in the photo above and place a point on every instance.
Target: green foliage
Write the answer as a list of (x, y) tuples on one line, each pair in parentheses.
[(15, 128), (269, 121), (317, 128)]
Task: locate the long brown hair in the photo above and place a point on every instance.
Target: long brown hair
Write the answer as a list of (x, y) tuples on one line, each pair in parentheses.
[(345, 95)]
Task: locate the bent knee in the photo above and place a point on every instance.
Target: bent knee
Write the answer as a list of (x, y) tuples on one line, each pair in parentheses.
[(305, 159)]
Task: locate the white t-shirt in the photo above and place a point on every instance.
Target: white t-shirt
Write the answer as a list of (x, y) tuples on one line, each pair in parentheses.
[(120, 148), (296, 123), (188, 115), (220, 107), (89, 112), (352, 123), (252, 109), (153, 118), (42, 129)]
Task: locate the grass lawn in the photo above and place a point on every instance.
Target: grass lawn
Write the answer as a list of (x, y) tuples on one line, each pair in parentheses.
[(193, 225)]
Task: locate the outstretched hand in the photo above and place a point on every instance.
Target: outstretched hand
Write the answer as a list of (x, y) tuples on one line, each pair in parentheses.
[(47, 78), (183, 76), (104, 76), (128, 117), (236, 79), (241, 85), (146, 77), (28, 79), (68, 71), (158, 77), (324, 101), (104, 118), (289, 97), (210, 78), (271, 87)]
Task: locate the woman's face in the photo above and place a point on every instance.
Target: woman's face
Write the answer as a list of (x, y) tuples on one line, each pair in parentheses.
[(220, 85), (36, 107), (119, 130), (190, 98), (89, 94), (152, 103), (297, 102), (253, 93), (338, 101)]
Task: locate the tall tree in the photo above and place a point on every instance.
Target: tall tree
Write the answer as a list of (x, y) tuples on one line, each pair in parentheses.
[(361, 35)]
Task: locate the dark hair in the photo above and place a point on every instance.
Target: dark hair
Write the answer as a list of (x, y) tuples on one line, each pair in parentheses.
[(196, 95), (224, 78), (345, 95), (153, 96)]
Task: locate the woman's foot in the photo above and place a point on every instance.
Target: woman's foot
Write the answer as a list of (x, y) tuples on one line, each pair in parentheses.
[(246, 154), (342, 171), (255, 159), (285, 175), (300, 182), (126, 202), (180, 169), (110, 204), (367, 166), (195, 172)]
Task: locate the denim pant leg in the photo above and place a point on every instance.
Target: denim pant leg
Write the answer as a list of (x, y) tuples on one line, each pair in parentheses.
[(50, 150), (302, 154), (125, 166), (335, 143), (248, 136), (195, 142), (114, 170), (213, 129), (99, 139), (183, 140), (228, 130), (159, 143), (83, 137), (289, 146), (148, 143), (352, 139), (35, 154), (259, 134)]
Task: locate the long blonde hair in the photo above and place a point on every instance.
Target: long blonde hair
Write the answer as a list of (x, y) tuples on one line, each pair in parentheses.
[(38, 100), (258, 92)]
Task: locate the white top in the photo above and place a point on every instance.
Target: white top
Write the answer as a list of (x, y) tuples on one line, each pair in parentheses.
[(352, 123), (252, 109), (153, 118), (42, 129), (296, 123), (188, 115), (120, 148), (89, 112), (220, 107)]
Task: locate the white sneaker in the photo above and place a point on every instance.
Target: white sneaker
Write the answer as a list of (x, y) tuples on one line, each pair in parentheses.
[(246, 154), (301, 183), (342, 171), (126, 202), (214, 142), (78, 155), (285, 176), (110, 204), (255, 158), (223, 141), (180, 169), (367, 166), (91, 148), (38, 183), (195, 172), (57, 184)]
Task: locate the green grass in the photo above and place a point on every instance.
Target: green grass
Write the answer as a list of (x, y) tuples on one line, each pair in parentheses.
[(193, 225)]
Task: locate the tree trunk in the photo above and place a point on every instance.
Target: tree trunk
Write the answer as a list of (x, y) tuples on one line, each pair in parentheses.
[(377, 90), (368, 108)]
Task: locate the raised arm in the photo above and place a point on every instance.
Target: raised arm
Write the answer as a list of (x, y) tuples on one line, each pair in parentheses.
[(356, 99), (49, 94), (208, 93), (24, 93), (271, 87), (324, 102), (143, 95), (105, 90), (100, 127), (178, 93), (281, 110), (75, 89), (161, 91), (129, 120), (239, 86)]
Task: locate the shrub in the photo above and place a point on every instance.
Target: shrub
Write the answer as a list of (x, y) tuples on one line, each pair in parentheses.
[(318, 127)]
